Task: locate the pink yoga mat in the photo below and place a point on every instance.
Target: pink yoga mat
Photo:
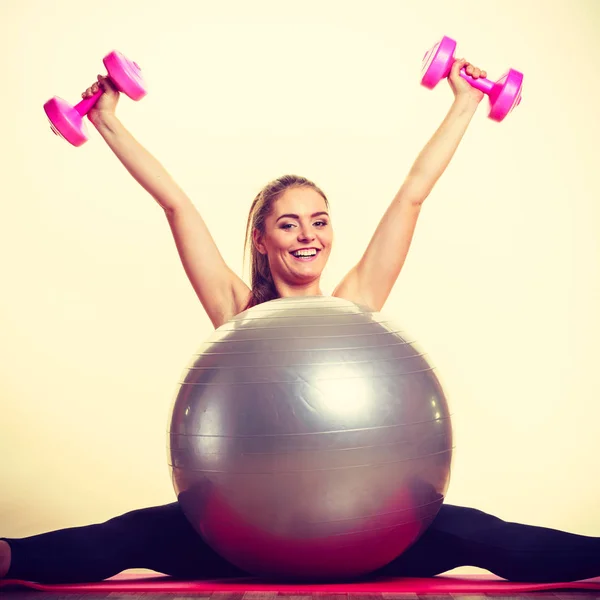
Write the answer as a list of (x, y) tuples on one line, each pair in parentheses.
[(132, 581)]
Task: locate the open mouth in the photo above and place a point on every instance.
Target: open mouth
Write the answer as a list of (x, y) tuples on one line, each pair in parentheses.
[(305, 255)]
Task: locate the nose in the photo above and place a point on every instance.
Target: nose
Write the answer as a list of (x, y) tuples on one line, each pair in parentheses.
[(305, 234)]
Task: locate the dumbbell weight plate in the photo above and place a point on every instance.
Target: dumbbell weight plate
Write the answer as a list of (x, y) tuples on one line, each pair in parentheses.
[(65, 121), (506, 94), (125, 74), (437, 63)]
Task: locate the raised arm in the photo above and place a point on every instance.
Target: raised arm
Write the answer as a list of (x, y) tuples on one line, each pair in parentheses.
[(371, 280), (221, 292)]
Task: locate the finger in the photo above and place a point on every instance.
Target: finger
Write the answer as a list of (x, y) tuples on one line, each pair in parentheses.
[(459, 63), (106, 84)]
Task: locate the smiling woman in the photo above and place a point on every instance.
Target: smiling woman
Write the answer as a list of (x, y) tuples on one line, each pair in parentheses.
[(290, 236)]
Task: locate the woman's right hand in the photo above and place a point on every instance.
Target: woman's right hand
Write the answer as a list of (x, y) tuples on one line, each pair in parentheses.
[(107, 103)]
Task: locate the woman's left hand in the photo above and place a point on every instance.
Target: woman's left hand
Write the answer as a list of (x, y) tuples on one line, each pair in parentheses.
[(460, 86)]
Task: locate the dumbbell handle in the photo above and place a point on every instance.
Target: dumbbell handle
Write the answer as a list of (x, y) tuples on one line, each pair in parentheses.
[(482, 84), (84, 107)]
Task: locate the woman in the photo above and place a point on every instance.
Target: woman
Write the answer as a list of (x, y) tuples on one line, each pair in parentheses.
[(291, 236)]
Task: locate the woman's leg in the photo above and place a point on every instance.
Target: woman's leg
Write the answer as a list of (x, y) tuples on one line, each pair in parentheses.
[(468, 537), (161, 539), (158, 538)]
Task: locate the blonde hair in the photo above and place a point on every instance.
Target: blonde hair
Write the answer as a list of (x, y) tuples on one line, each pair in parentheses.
[(262, 284)]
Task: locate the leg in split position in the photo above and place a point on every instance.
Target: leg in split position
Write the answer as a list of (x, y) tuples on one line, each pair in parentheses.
[(468, 537), (161, 539), (158, 538)]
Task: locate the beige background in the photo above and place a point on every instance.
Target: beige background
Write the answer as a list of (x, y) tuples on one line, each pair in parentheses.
[(502, 285)]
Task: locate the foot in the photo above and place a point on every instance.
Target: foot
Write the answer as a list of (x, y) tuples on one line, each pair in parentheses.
[(4, 558)]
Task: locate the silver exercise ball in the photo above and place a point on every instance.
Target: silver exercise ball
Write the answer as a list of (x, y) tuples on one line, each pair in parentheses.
[(309, 439)]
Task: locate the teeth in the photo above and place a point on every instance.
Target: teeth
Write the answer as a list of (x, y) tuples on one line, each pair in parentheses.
[(305, 253)]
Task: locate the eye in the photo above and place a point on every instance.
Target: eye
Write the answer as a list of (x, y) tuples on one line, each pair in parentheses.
[(287, 226), (321, 223)]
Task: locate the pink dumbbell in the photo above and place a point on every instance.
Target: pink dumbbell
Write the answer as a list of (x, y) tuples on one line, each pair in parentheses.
[(504, 94), (67, 120)]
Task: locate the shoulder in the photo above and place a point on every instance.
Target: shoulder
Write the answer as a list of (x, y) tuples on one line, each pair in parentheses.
[(236, 303), (349, 290), (352, 288)]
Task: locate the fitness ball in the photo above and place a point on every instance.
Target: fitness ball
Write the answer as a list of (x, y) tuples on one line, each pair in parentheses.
[(309, 440)]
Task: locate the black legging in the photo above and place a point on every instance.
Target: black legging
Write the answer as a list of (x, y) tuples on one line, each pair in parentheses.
[(161, 539)]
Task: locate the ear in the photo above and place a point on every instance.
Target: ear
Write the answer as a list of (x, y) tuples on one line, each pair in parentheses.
[(257, 241)]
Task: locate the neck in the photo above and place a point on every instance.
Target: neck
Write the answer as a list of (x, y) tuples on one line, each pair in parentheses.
[(286, 290)]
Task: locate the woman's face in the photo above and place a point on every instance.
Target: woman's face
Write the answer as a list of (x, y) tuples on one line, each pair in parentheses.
[(298, 236)]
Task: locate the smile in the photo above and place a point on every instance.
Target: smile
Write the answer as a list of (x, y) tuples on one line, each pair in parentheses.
[(305, 254)]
